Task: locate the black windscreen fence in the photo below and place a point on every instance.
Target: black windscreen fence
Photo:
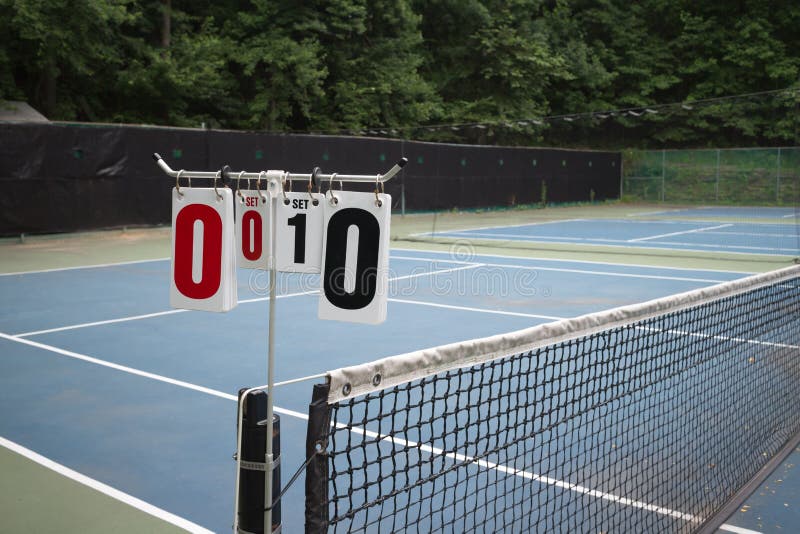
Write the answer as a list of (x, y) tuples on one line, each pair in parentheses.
[(67, 177)]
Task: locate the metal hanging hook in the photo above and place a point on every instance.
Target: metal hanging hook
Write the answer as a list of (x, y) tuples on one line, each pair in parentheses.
[(178, 183)]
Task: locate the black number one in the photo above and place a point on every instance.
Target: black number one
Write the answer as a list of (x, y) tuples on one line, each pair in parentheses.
[(299, 223), (366, 275)]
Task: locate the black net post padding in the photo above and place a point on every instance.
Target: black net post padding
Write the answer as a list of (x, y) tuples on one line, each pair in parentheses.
[(319, 420), (252, 466)]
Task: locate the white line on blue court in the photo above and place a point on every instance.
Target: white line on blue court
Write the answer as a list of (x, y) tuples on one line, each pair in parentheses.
[(243, 301), (104, 488), (201, 389), (478, 310), (694, 231), (576, 271), (538, 223)]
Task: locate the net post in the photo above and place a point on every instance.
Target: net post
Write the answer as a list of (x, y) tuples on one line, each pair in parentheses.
[(319, 421), (251, 475)]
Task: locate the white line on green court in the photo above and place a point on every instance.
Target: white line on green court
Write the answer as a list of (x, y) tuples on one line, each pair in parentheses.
[(608, 243), (77, 267), (104, 488), (559, 260), (539, 223)]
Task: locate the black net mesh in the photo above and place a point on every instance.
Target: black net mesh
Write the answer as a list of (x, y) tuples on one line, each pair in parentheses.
[(650, 427)]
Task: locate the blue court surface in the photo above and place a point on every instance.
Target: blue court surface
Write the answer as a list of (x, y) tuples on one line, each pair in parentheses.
[(99, 374), (780, 239)]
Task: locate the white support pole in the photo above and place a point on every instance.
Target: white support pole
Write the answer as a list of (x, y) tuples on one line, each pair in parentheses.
[(273, 285)]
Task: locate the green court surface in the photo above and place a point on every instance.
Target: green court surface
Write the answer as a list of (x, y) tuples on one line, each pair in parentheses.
[(34, 498)]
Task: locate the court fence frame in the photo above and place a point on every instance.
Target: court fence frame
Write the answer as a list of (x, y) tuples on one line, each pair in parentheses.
[(731, 176)]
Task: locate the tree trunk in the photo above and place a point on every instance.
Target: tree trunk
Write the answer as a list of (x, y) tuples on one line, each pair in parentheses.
[(166, 23), (49, 100)]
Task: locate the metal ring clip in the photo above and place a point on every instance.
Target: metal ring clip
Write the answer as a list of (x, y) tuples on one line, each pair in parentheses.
[(239, 187), (258, 186), (334, 199), (378, 201), (219, 197), (284, 179), (311, 180)]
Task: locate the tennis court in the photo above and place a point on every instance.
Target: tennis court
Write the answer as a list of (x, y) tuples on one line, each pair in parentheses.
[(726, 230), (143, 397)]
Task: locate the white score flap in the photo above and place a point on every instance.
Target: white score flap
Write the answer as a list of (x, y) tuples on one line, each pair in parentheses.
[(253, 229), (355, 264), (298, 232), (203, 274)]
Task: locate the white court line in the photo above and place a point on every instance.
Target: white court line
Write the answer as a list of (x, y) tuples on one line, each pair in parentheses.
[(407, 444), (679, 233), (479, 310), (471, 265), (789, 216), (539, 223), (560, 260), (427, 448), (719, 337), (753, 234), (528, 237), (738, 530), (243, 301), (99, 265), (608, 243), (103, 488), (661, 212), (144, 316), (146, 374), (579, 271)]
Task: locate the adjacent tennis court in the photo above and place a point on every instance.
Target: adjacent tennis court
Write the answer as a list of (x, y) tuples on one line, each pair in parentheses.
[(723, 230)]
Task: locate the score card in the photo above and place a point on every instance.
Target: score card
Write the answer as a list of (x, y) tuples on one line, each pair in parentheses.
[(298, 227)]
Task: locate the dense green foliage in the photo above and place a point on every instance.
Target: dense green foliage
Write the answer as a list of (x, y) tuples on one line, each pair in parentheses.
[(449, 70)]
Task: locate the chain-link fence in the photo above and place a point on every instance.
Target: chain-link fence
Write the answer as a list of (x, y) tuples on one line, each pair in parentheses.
[(752, 176)]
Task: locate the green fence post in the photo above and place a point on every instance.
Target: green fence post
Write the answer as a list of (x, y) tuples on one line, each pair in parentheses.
[(716, 182), (778, 180), (663, 172)]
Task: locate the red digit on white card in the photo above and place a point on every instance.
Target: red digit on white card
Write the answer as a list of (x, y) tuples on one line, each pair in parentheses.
[(251, 235), (186, 255)]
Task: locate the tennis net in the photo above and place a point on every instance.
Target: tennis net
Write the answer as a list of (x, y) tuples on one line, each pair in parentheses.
[(651, 417)]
